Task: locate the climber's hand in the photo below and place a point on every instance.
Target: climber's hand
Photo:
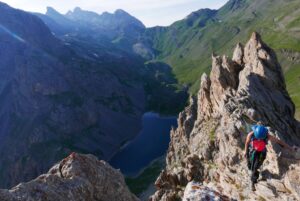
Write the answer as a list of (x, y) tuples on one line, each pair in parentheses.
[(245, 154)]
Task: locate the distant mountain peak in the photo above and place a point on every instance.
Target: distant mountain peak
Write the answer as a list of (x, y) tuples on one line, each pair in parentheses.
[(58, 17), (79, 12), (52, 11), (200, 17), (105, 19), (77, 9), (233, 5), (121, 12), (201, 12), (3, 4), (123, 15), (80, 15)]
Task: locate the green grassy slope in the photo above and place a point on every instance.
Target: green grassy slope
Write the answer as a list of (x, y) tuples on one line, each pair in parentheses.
[(187, 45), (140, 183)]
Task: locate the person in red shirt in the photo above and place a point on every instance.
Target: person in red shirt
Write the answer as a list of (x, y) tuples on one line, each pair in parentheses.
[(256, 151)]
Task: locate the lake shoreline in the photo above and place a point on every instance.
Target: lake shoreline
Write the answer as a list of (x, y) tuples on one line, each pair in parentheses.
[(159, 159), (148, 146), (142, 185), (127, 142)]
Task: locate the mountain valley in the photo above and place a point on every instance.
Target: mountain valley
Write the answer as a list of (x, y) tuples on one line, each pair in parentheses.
[(82, 82)]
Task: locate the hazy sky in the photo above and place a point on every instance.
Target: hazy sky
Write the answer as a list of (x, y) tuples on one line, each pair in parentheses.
[(150, 12)]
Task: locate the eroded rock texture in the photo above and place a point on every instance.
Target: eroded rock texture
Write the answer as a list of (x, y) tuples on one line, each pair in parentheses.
[(207, 147), (77, 178)]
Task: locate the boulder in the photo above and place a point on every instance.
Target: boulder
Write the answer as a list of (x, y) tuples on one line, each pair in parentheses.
[(77, 177), (197, 192)]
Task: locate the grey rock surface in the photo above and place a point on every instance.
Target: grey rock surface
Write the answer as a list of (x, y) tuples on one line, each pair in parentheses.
[(197, 192), (78, 178), (207, 147)]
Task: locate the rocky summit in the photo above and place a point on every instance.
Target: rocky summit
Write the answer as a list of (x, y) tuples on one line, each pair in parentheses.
[(77, 177), (205, 158)]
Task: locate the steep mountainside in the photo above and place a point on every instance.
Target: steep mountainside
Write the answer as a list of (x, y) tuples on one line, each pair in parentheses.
[(187, 44), (54, 100), (107, 36), (118, 30), (77, 177), (204, 160), (58, 23), (205, 157), (63, 90)]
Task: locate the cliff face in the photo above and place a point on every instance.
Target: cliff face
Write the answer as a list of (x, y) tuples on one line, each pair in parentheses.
[(77, 177), (207, 147), (55, 101)]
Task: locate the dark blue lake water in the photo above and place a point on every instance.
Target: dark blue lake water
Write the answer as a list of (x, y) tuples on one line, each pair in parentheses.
[(151, 143)]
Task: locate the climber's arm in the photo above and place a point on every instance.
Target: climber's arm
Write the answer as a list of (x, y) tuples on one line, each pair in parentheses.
[(248, 139), (276, 140)]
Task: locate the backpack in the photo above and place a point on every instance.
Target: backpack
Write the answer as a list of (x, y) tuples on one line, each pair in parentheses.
[(259, 145)]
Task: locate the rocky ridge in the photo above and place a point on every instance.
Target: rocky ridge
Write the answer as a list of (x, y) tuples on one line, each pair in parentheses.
[(77, 177), (117, 31), (207, 147)]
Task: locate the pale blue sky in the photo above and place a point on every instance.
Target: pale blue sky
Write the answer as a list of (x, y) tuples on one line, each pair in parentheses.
[(150, 12)]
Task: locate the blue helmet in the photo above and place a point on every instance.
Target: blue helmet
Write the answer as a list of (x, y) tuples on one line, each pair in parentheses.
[(260, 132)]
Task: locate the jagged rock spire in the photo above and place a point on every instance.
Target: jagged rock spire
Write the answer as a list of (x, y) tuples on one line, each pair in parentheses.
[(204, 102), (261, 60), (238, 54), (238, 93)]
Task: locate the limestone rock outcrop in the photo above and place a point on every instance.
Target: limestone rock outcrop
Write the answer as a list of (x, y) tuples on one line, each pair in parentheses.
[(77, 178), (197, 192), (207, 147)]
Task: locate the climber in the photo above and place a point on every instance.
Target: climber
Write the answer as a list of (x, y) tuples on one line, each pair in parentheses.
[(255, 149)]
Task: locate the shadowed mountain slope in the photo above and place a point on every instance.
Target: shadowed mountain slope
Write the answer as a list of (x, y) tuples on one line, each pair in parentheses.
[(54, 100)]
